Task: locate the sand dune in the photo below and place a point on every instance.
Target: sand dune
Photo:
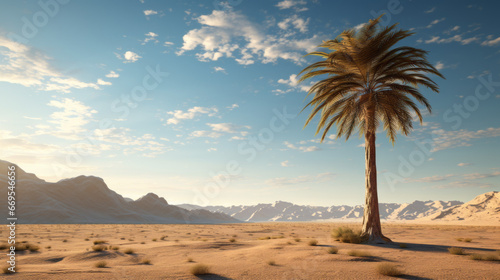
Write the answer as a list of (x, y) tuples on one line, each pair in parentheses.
[(172, 250)]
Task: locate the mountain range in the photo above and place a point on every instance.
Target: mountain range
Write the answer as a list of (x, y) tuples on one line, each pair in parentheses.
[(87, 199)]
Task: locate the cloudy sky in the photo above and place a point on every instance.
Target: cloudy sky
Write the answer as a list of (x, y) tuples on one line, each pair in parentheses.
[(197, 101)]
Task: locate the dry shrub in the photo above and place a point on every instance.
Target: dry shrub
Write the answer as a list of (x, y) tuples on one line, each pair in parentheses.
[(388, 269), (99, 248), (200, 269), (313, 242), (100, 264), (332, 250), (456, 251), (358, 253), (347, 235)]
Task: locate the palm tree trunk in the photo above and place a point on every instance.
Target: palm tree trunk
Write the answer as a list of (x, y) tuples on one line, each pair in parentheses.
[(371, 218)]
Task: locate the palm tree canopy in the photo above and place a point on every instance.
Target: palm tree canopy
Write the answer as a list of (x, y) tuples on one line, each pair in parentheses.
[(368, 82)]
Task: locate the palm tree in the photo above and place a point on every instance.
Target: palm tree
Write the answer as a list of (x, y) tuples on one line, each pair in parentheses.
[(369, 83)]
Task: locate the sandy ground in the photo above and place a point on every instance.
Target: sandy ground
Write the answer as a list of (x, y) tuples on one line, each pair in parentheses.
[(65, 252)]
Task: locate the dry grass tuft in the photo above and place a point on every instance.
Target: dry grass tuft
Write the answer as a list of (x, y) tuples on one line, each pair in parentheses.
[(99, 248), (456, 251), (271, 262), (388, 269), (347, 235), (145, 261), (200, 269), (332, 250), (485, 257), (358, 253), (232, 240), (129, 251), (312, 242), (100, 264), (97, 242)]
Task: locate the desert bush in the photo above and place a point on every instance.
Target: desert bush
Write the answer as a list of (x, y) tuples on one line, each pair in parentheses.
[(358, 253), (97, 242), (4, 246), (485, 257), (456, 251), (332, 250), (271, 262), (189, 260), (116, 248), (129, 251), (388, 269), (468, 239), (312, 242), (347, 235), (145, 261), (154, 239), (232, 240), (297, 239), (99, 248), (459, 239), (200, 269), (100, 264)]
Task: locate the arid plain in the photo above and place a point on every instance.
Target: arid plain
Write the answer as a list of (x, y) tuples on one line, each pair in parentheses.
[(250, 251)]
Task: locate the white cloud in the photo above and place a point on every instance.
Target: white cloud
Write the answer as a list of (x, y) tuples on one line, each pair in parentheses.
[(103, 83), (439, 65), (492, 42), (304, 149), (460, 138), (435, 178), (455, 38), (112, 74), (224, 32), (25, 66), (150, 12), (281, 181), (285, 163), (229, 128), (292, 81), (431, 10), (287, 4), (204, 133), (434, 22), (150, 36), (130, 57), (220, 69), (232, 107), (476, 176), (69, 121), (190, 114), (168, 44), (294, 21), (359, 26), (464, 164), (212, 149)]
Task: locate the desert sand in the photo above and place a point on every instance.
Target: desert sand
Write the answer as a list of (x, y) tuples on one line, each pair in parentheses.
[(245, 251)]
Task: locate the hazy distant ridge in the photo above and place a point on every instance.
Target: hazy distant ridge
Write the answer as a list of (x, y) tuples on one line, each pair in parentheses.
[(87, 199)]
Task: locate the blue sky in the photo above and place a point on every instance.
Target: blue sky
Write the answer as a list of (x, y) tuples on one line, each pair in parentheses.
[(198, 102)]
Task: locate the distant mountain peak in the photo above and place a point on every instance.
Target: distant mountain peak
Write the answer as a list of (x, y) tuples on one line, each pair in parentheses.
[(152, 198)]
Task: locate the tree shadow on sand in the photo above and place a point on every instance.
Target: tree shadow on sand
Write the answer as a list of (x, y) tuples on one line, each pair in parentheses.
[(212, 276), (412, 277), (418, 247)]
